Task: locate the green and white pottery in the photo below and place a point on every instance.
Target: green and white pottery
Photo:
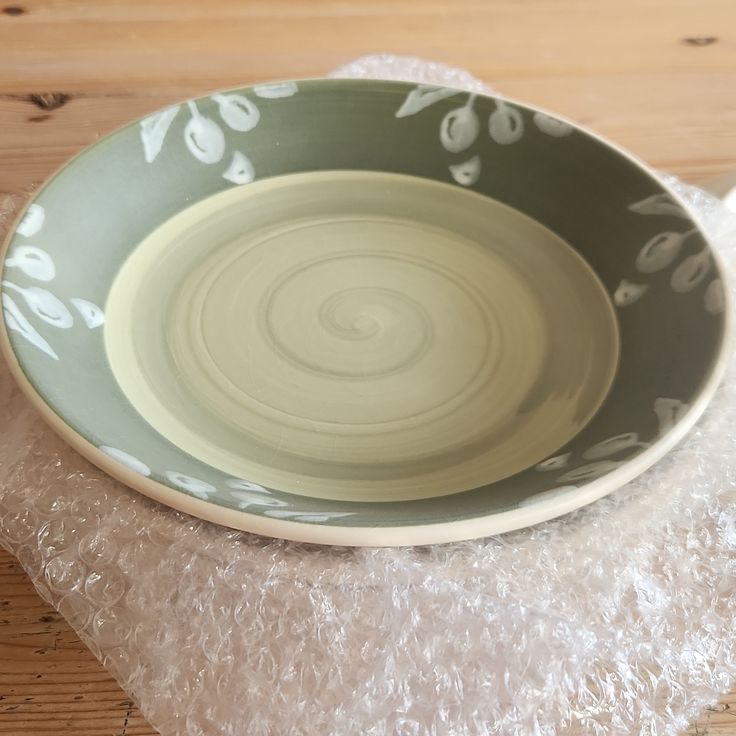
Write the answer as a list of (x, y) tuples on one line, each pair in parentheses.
[(363, 312)]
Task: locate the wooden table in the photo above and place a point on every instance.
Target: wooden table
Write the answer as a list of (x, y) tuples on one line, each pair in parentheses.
[(656, 76)]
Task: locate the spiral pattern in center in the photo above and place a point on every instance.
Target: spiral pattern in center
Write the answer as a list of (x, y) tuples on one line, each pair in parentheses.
[(352, 333), (367, 336)]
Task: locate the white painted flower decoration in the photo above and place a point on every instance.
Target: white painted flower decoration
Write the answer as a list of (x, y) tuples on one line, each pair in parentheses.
[(41, 304), (461, 126)]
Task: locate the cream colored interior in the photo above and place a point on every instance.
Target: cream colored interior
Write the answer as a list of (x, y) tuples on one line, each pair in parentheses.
[(361, 336)]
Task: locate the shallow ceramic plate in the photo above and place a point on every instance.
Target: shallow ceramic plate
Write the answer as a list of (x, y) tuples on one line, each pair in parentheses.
[(363, 312)]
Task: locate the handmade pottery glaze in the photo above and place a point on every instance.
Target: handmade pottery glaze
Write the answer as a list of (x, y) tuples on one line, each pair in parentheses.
[(363, 312)]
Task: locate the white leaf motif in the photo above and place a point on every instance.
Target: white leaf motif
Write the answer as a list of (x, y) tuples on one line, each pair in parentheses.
[(238, 111), (32, 221), (92, 315), (591, 470), (15, 321), (658, 204), (715, 297), (240, 170), (34, 262), (245, 485), (459, 128), (659, 251), (154, 129), (552, 126), (505, 125), (691, 272), (276, 90), (613, 445), (467, 172), (196, 487), (669, 412), (44, 305), (301, 516), (124, 458), (252, 498), (204, 137), (318, 518), (554, 463), (423, 96), (628, 292)]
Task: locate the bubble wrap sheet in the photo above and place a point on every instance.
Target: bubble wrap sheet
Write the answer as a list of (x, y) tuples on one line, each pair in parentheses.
[(617, 619)]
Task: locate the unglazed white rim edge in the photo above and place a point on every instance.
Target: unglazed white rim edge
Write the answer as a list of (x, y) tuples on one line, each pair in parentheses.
[(388, 536)]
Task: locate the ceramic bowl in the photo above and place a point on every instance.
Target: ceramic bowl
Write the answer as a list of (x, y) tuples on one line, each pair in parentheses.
[(363, 312)]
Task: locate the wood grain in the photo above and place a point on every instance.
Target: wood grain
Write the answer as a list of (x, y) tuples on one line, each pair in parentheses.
[(50, 684), (655, 77), (625, 68)]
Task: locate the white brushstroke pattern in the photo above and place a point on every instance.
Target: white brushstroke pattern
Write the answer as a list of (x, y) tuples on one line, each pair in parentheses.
[(505, 125), (715, 297), (554, 463), (669, 412), (276, 90), (44, 305), (552, 126), (32, 221), (34, 262), (660, 251), (126, 459), (245, 485), (240, 170), (238, 111), (195, 486), (614, 445), (153, 131), (423, 96), (204, 137), (92, 315), (628, 293), (15, 321), (246, 499), (591, 470), (467, 172), (691, 272), (658, 204), (459, 128)]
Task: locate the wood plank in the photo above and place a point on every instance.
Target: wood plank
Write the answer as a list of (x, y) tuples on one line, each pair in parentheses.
[(720, 720), (49, 681), (657, 78), (641, 84)]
